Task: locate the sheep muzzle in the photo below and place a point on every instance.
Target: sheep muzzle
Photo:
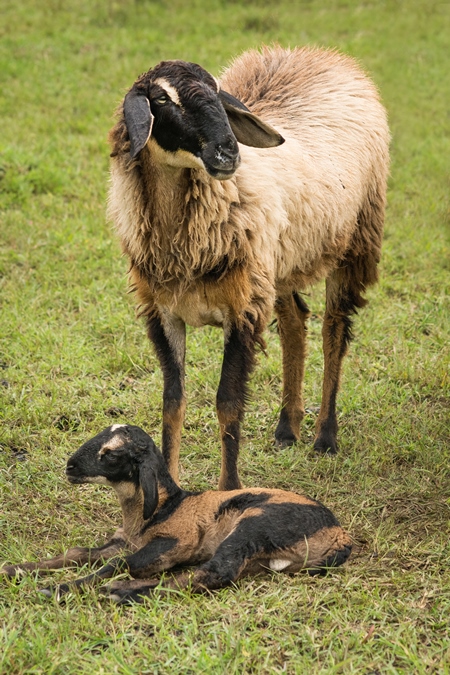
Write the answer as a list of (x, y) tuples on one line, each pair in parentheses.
[(221, 159)]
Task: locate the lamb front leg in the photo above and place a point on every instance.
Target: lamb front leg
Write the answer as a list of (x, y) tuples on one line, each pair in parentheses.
[(74, 556), (168, 335), (159, 554)]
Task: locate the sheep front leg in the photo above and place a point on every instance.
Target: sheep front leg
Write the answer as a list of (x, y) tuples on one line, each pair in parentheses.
[(292, 314), (341, 301), (238, 362), (168, 335)]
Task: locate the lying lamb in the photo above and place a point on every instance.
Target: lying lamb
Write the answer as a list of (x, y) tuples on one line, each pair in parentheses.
[(225, 535)]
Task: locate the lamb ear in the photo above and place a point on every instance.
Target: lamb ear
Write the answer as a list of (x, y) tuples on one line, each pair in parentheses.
[(149, 484), (139, 120), (247, 127)]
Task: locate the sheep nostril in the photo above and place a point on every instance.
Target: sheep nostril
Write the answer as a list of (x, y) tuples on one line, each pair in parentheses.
[(227, 150), (224, 155)]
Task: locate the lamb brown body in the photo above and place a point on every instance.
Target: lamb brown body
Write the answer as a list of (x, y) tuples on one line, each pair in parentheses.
[(228, 534), (229, 252)]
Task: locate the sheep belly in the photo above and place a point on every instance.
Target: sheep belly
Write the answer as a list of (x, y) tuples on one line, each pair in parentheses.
[(196, 311)]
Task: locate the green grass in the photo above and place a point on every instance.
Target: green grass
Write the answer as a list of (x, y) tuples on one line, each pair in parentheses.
[(74, 359)]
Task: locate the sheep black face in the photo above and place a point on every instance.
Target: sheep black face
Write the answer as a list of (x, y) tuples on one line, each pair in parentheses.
[(118, 455), (180, 107)]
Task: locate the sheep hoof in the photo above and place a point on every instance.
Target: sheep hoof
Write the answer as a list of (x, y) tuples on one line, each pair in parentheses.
[(326, 446), (317, 571), (12, 572), (281, 443), (58, 592), (285, 436)]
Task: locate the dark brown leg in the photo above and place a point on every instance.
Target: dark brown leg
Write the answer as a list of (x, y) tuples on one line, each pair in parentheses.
[(74, 556), (168, 334), (342, 301), (292, 314), (345, 287), (238, 363), (223, 568), (150, 559)]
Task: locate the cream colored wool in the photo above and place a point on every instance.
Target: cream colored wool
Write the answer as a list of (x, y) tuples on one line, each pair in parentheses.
[(288, 216)]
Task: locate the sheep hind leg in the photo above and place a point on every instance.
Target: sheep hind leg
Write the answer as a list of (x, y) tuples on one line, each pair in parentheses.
[(342, 300), (238, 363), (135, 590), (292, 313)]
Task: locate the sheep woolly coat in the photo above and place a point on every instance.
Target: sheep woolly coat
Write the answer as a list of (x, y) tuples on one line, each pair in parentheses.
[(287, 218)]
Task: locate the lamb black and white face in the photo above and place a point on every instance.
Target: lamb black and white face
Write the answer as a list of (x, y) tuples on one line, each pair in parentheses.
[(188, 122), (111, 457)]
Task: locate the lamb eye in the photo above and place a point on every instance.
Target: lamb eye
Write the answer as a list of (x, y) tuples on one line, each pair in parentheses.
[(110, 458)]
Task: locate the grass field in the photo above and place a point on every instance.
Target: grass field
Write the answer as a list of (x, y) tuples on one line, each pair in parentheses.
[(73, 358)]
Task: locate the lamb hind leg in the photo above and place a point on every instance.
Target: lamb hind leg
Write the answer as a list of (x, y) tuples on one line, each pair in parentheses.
[(342, 300), (200, 580), (292, 314), (223, 568)]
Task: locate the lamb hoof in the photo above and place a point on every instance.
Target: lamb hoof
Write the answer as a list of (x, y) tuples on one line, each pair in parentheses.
[(125, 597), (48, 592), (13, 572), (58, 592), (317, 571)]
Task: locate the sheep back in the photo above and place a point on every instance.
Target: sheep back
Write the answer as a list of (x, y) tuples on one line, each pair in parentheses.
[(288, 217)]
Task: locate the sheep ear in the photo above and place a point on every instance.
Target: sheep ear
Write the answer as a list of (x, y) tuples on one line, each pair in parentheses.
[(149, 484), (247, 127), (139, 120)]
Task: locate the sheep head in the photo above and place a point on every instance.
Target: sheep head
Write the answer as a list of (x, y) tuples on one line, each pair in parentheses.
[(119, 455), (179, 109)]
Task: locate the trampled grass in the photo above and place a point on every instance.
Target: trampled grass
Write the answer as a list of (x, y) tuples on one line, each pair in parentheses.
[(73, 358)]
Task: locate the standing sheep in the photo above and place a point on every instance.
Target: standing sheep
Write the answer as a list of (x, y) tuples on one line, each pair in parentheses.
[(220, 234)]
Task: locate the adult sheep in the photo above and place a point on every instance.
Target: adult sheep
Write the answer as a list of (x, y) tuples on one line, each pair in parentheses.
[(220, 234)]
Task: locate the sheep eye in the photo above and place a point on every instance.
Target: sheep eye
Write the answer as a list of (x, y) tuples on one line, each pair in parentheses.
[(162, 100)]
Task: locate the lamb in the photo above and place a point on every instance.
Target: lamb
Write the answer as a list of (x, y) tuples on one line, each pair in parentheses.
[(225, 534), (229, 199)]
